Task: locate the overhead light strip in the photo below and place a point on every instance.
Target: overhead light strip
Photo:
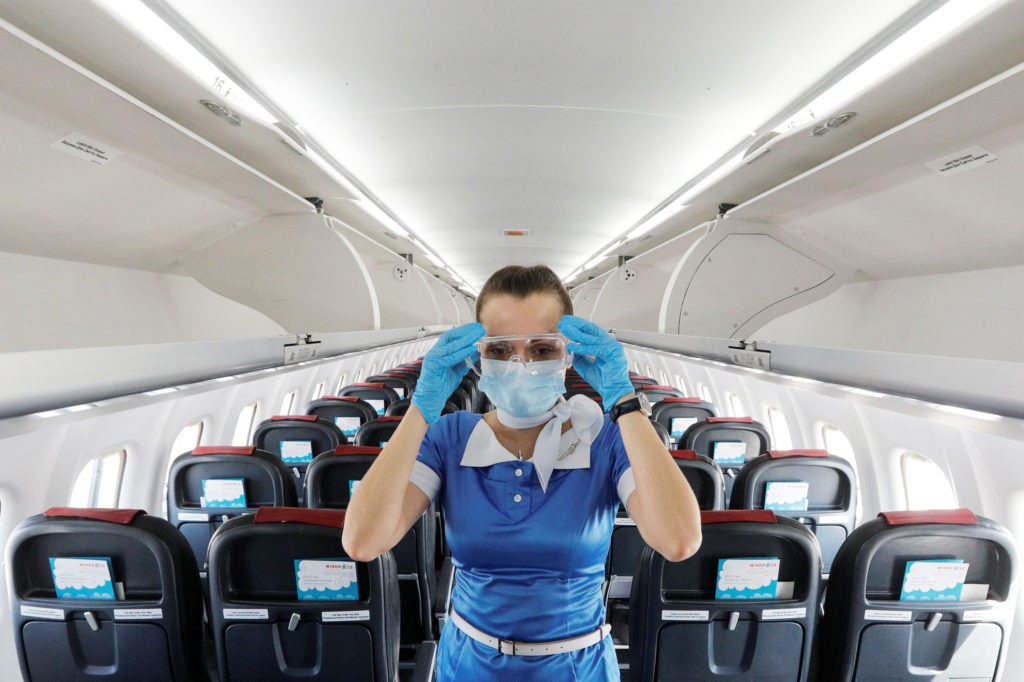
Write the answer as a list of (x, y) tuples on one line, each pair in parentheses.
[(923, 35), (166, 39)]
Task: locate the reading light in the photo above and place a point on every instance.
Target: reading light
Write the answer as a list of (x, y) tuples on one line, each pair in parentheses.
[(162, 36), (913, 42)]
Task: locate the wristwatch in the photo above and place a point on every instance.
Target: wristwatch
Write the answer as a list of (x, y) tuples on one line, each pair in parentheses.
[(640, 402)]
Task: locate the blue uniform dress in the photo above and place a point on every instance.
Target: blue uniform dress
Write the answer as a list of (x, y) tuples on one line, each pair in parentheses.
[(530, 564)]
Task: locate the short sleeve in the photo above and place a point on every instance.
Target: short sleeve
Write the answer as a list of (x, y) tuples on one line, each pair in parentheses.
[(429, 467), (622, 473)]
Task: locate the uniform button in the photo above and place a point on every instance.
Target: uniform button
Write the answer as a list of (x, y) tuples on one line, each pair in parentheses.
[(518, 497), (519, 472)]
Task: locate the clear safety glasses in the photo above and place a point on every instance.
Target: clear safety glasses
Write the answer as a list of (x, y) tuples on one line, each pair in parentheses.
[(526, 349)]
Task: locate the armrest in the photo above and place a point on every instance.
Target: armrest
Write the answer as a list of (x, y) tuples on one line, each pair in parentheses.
[(443, 593), (423, 664)]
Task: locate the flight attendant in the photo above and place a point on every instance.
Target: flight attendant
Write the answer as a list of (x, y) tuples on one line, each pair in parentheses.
[(529, 491)]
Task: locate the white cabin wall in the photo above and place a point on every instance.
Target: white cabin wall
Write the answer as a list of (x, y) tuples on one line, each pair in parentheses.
[(974, 314), (49, 304)]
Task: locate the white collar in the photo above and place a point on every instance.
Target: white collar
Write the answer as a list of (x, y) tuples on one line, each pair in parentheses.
[(554, 450)]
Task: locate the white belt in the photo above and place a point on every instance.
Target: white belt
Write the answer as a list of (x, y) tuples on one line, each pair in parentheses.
[(514, 648)]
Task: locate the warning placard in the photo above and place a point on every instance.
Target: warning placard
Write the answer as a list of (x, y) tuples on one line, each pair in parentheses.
[(963, 160), (86, 148)]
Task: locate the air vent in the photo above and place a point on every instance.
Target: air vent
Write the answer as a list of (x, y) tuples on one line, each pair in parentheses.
[(759, 147), (222, 111), (509, 232)]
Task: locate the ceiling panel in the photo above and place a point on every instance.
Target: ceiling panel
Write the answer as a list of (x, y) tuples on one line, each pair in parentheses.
[(559, 117)]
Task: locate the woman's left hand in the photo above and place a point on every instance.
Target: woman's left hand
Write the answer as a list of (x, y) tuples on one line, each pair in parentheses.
[(599, 358)]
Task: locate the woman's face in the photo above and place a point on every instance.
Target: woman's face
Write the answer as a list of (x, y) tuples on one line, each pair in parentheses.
[(506, 315)]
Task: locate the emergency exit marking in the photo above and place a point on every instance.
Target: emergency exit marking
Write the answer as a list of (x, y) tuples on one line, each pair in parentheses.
[(963, 160), (86, 148)]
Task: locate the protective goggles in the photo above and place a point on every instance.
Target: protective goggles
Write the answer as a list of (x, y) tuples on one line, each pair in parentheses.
[(524, 348)]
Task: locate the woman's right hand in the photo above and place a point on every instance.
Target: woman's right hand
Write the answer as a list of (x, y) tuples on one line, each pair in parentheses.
[(443, 368)]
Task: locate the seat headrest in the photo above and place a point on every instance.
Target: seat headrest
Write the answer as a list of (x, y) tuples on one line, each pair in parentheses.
[(962, 517), (733, 420), (223, 450), (782, 454), (683, 454), (738, 515), (346, 398), (678, 399), (334, 518), (356, 450), (296, 417), (122, 516), (368, 384), (390, 418)]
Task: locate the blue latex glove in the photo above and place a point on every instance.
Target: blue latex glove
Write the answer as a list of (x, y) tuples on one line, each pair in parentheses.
[(444, 365), (598, 358)]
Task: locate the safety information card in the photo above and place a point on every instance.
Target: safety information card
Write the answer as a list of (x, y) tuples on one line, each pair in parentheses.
[(747, 578), (82, 577), (326, 579)]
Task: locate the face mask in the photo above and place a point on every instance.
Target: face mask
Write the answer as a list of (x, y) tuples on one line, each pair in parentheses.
[(523, 389)]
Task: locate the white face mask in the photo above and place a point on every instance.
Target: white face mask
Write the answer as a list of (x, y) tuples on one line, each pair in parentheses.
[(522, 389)]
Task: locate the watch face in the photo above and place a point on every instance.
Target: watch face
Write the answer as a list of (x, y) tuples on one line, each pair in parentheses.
[(645, 403)]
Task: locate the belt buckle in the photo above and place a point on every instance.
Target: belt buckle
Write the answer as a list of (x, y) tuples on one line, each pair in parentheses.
[(501, 646)]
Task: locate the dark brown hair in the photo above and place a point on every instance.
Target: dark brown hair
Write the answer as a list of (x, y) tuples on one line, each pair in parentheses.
[(521, 281)]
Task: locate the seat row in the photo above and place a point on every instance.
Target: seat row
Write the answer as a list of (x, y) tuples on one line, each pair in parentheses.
[(114, 595), (911, 596)]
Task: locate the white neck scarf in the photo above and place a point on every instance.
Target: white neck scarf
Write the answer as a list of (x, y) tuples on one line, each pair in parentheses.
[(587, 419)]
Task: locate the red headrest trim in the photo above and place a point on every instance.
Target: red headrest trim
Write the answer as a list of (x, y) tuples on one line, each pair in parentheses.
[(122, 516), (346, 398), (781, 454), (296, 417), (657, 387), (334, 518), (356, 450), (962, 517), (367, 384), (683, 454), (735, 515), (390, 418), (223, 450), (676, 399), (726, 420)]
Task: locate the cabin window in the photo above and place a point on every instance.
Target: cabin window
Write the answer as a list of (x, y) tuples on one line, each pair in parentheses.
[(650, 372), (288, 402), (836, 443), (735, 405), (925, 483), (188, 439), (680, 384), (99, 482), (318, 392), (779, 429), (704, 392), (342, 382), (243, 428), (663, 377)]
